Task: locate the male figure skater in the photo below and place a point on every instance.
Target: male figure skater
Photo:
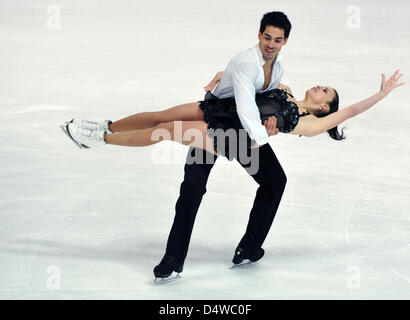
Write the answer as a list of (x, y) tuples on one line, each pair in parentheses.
[(256, 69)]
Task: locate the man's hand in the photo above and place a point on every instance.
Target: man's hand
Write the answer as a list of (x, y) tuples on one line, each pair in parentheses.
[(271, 129), (270, 125)]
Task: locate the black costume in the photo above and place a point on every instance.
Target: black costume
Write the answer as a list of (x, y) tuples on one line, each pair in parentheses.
[(221, 113)]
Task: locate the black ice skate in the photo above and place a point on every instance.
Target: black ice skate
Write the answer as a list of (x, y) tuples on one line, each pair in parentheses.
[(164, 272), (240, 257)]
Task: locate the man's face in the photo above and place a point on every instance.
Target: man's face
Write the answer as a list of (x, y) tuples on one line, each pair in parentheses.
[(271, 41)]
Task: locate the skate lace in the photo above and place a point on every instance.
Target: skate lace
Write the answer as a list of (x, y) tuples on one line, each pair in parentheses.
[(89, 125), (86, 135)]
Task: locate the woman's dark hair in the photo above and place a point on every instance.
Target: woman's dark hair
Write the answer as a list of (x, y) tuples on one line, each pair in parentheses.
[(334, 106), (276, 19)]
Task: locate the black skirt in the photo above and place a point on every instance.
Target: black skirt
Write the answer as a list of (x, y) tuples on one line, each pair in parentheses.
[(224, 126)]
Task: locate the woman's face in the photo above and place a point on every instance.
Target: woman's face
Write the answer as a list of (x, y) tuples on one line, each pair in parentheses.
[(320, 95)]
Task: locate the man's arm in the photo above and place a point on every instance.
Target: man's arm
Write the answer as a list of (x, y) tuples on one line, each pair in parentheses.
[(244, 77)]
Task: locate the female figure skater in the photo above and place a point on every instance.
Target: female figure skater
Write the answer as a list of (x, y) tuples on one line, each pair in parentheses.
[(318, 112)]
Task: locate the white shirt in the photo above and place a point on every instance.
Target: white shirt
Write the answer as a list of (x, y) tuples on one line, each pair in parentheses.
[(243, 78)]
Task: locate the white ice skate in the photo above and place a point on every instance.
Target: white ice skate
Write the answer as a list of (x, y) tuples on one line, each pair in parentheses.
[(83, 138), (93, 125), (64, 127)]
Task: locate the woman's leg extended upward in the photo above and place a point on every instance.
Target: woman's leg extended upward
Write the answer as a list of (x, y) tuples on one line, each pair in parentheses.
[(144, 120), (183, 124), (190, 133)]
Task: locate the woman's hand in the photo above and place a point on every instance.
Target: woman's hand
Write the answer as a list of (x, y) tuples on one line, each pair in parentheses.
[(391, 83), (211, 86)]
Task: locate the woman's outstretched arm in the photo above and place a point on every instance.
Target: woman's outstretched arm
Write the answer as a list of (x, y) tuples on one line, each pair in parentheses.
[(315, 126)]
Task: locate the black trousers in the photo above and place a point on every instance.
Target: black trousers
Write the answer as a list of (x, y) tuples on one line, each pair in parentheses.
[(271, 179)]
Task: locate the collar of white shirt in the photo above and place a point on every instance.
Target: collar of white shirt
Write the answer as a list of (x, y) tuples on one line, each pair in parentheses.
[(261, 60)]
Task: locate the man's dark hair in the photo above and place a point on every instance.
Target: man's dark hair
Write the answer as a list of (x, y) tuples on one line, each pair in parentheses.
[(276, 19)]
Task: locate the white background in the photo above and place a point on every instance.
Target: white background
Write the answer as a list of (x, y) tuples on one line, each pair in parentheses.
[(92, 224)]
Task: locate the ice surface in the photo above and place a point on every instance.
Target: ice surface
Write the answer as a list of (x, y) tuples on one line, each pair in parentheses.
[(92, 224)]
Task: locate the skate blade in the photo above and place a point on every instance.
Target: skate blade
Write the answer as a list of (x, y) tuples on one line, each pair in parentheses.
[(64, 127), (169, 279), (241, 265)]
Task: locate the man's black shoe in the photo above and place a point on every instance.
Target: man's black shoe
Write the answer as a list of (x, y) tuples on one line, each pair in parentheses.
[(167, 265), (240, 256)]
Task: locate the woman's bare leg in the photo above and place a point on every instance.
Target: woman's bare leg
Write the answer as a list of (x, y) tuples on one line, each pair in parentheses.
[(190, 133), (144, 120)]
